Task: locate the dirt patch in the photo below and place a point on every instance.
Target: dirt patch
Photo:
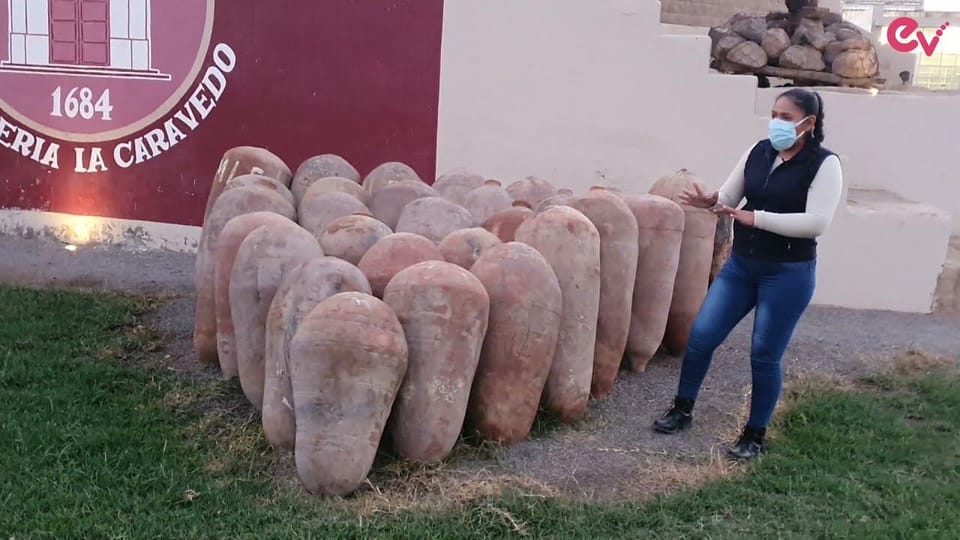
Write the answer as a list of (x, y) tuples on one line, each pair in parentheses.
[(915, 363), (611, 455)]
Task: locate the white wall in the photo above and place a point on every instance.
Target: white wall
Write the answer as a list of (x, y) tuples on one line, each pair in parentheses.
[(616, 102), (590, 92), (941, 5), (582, 92)]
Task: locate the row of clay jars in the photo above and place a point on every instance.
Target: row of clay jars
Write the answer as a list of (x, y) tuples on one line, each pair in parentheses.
[(679, 250), (269, 245), (326, 188), (227, 319), (266, 184), (279, 278), (319, 471), (318, 208), (620, 243), (643, 240), (598, 326), (619, 238), (506, 237), (519, 342), (333, 453), (313, 194), (427, 296), (443, 312), (396, 253), (393, 255)]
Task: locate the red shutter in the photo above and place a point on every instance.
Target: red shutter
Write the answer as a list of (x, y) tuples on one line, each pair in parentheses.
[(64, 37), (95, 32), (80, 32)]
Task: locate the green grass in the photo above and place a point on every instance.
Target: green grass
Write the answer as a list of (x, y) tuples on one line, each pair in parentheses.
[(92, 445)]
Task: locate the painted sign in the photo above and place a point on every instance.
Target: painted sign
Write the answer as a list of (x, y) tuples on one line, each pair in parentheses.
[(904, 35), (123, 108), (96, 70)]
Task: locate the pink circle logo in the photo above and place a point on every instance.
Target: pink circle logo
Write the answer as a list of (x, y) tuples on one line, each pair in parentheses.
[(96, 70)]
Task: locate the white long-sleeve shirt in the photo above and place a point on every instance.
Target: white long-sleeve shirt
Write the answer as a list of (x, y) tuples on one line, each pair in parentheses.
[(822, 200)]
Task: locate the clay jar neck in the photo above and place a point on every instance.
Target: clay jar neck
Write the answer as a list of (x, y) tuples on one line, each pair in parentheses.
[(566, 192), (492, 183), (521, 204)]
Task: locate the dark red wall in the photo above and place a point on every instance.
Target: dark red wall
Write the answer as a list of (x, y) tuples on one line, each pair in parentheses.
[(359, 78)]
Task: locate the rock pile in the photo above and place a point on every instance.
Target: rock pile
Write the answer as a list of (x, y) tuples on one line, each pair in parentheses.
[(809, 45)]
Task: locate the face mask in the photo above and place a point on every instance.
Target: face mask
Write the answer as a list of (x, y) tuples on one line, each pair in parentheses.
[(783, 134)]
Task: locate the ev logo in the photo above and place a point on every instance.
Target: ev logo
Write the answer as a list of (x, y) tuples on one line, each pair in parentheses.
[(904, 35)]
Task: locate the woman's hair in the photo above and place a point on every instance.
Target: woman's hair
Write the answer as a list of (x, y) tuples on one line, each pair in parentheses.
[(811, 104)]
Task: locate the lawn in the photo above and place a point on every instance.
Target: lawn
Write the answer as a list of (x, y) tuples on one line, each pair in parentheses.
[(97, 446)]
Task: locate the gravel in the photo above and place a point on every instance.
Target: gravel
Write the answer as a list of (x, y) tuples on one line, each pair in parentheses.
[(613, 453)]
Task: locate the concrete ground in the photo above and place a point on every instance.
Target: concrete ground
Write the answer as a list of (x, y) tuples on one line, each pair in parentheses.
[(610, 455)]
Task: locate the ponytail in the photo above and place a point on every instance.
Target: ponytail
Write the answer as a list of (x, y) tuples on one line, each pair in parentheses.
[(817, 134)]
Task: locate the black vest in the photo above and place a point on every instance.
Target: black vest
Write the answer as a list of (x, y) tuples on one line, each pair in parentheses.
[(783, 191)]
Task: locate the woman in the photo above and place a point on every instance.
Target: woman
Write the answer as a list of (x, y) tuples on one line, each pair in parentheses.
[(792, 185)]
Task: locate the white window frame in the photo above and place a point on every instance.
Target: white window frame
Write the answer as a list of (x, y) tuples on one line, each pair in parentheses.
[(130, 49), (29, 44)]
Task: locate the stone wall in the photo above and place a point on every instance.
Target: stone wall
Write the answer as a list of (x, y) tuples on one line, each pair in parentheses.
[(811, 46)]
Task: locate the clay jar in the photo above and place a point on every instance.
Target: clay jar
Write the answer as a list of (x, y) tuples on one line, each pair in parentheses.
[(443, 310), (347, 360), (465, 246), (660, 233), (696, 258), (521, 340), (618, 273), (487, 200), (505, 222), (571, 245)]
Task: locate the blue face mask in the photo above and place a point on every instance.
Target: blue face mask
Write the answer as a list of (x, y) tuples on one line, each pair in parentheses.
[(783, 134)]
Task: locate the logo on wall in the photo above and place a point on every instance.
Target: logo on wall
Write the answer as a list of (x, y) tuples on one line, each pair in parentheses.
[(93, 71), (904, 35)]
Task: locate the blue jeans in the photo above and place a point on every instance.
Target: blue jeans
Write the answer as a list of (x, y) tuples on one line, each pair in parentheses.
[(780, 292)]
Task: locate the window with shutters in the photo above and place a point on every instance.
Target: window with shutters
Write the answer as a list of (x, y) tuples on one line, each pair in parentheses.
[(90, 36)]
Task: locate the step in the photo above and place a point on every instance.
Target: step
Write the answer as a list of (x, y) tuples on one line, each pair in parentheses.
[(883, 252), (947, 296)]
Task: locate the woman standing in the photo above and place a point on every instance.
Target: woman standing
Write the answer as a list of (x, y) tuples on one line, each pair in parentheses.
[(792, 185)]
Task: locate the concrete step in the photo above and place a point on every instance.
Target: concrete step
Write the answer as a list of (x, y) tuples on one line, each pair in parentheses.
[(947, 296), (883, 252)]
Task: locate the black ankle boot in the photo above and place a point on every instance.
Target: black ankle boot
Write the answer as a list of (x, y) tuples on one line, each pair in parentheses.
[(750, 443), (677, 418)]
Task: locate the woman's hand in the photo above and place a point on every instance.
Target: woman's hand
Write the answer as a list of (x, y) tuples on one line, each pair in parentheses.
[(745, 217), (698, 198)]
